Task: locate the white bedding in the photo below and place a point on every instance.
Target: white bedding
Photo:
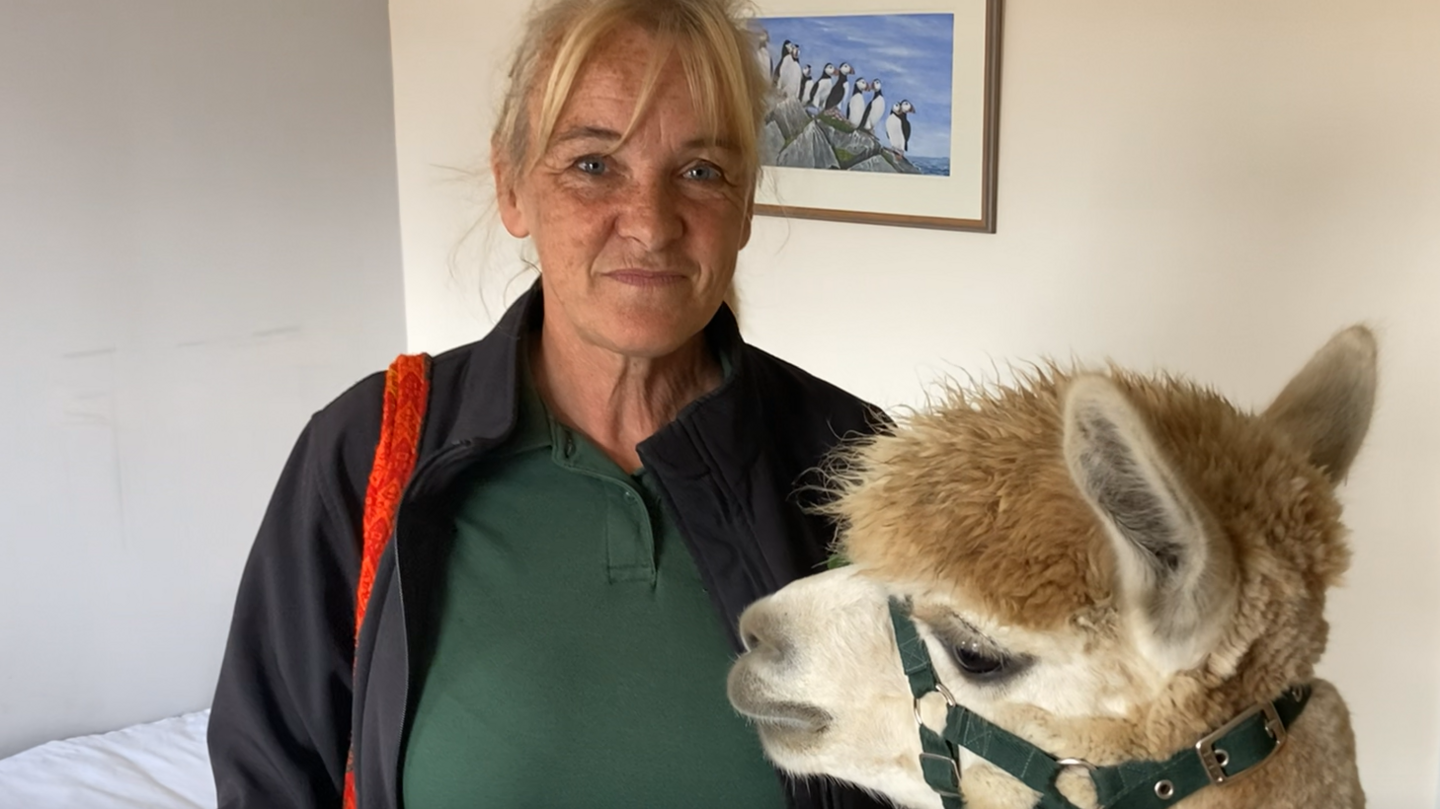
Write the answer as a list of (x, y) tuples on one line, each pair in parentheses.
[(159, 765)]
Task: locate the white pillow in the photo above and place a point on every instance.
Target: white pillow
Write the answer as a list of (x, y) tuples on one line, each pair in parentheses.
[(159, 765)]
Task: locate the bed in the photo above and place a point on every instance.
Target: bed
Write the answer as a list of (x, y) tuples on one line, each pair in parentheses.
[(158, 765)]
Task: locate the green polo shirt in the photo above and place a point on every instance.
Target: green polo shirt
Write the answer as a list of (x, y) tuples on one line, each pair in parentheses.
[(579, 661)]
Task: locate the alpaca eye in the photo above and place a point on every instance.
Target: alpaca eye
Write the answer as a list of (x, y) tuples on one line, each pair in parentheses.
[(976, 661)]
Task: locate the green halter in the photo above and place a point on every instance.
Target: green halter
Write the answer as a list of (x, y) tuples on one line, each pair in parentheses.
[(1242, 744)]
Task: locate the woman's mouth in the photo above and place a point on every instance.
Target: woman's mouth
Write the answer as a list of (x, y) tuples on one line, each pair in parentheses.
[(636, 277)]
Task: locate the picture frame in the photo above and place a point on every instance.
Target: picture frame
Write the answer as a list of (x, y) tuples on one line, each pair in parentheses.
[(905, 176)]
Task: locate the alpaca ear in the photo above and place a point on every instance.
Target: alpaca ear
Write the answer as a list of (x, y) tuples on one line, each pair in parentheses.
[(1175, 584), (1326, 408)]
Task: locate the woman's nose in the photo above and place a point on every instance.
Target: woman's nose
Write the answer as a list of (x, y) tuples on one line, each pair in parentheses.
[(650, 215)]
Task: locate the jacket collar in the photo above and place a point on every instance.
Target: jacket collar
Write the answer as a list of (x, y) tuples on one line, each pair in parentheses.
[(485, 404), (489, 383)]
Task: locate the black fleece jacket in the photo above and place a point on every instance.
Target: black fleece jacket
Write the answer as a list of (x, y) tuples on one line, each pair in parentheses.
[(294, 686)]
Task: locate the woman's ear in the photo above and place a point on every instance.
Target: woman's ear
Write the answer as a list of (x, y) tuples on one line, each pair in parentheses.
[(507, 197)]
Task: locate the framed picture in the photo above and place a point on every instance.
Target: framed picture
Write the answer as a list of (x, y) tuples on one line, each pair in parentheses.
[(882, 113)]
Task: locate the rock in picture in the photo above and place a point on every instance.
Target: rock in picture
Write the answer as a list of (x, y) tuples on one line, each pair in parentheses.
[(859, 93)]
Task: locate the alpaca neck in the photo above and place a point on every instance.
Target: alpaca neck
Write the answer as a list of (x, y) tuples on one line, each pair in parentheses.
[(1315, 767)]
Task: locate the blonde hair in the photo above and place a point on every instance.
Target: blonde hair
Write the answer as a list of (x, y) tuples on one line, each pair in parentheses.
[(713, 39)]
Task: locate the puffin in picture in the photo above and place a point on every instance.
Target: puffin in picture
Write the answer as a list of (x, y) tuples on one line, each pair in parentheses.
[(775, 70), (873, 110), (857, 103), (762, 51), (837, 91), (787, 73), (807, 84), (821, 89), (897, 126)]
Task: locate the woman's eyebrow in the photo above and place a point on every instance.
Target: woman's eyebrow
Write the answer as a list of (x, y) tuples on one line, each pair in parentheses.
[(712, 143), (600, 133), (587, 133)]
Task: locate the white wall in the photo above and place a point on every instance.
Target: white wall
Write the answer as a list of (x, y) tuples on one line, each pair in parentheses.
[(199, 245), (1208, 186)]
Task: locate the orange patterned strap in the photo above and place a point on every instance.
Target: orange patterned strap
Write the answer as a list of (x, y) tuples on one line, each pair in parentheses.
[(407, 391)]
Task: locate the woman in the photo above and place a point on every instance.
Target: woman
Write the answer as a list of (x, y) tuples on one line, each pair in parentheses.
[(600, 479)]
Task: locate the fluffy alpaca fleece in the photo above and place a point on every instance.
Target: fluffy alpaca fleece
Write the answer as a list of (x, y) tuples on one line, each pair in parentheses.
[(990, 515), (971, 509)]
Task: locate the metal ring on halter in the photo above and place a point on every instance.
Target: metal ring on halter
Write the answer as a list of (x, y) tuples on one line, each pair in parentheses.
[(943, 692), (1075, 762)]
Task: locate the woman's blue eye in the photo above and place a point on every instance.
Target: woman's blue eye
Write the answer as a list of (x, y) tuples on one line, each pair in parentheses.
[(703, 171), (591, 165)]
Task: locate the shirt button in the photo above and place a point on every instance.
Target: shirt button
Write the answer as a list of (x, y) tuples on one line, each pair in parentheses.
[(569, 445)]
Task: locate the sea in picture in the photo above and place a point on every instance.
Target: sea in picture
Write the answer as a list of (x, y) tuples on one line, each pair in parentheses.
[(938, 166), (859, 93)]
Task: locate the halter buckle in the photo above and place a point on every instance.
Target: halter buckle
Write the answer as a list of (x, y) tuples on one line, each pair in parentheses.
[(954, 771), (1214, 761), (948, 761)]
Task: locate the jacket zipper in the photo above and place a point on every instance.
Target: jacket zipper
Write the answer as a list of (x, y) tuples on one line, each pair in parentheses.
[(446, 457)]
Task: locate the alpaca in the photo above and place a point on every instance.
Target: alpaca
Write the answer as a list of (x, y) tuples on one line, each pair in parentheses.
[(1108, 567)]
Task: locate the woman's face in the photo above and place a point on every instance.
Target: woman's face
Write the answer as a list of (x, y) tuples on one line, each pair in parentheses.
[(637, 241)]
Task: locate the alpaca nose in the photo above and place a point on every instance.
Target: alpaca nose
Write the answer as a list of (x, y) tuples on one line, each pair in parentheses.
[(749, 637), (758, 631), (750, 641)]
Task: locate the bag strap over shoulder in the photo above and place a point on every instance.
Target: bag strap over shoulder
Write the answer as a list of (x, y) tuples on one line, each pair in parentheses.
[(407, 393)]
